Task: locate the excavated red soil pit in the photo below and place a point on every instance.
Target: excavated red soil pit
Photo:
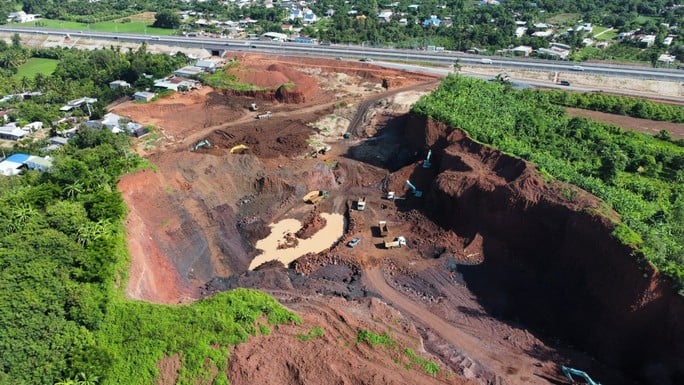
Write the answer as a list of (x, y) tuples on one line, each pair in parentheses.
[(550, 265)]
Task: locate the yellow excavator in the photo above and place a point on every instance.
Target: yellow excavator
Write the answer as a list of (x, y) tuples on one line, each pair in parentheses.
[(238, 148)]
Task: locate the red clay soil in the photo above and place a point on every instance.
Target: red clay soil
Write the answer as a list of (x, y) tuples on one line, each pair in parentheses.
[(336, 357), (646, 126), (502, 276)]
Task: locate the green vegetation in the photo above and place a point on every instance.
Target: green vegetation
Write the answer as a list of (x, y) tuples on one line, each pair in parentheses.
[(429, 367), (35, 66), (221, 79), (637, 175), (622, 105), (62, 247), (103, 26), (314, 332), (374, 338), (399, 354), (137, 334)]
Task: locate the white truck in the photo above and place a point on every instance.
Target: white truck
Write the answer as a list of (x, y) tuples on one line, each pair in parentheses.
[(266, 115), (397, 242)]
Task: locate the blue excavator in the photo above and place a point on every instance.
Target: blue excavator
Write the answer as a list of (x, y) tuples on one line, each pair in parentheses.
[(417, 193), (570, 372), (426, 162)]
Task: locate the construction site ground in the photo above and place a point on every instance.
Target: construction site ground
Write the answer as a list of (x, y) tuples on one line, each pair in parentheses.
[(196, 215)]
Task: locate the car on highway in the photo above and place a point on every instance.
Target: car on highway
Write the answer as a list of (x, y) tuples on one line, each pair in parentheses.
[(564, 83), (366, 59), (486, 61), (577, 68), (354, 241)]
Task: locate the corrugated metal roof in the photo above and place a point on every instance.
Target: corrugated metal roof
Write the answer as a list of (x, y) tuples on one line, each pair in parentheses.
[(17, 158)]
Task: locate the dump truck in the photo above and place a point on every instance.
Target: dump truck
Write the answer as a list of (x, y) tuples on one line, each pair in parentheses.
[(397, 242), (382, 225), (315, 196), (266, 115), (253, 107), (361, 203)]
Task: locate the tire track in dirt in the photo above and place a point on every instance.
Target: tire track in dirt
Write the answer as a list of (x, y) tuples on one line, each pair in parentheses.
[(477, 348), (357, 122)]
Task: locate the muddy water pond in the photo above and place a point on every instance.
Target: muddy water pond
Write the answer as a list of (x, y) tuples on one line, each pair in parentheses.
[(323, 239)]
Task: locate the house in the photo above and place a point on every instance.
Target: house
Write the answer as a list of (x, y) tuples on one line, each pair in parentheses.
[(276, 36), (560, 46), (112, 121), (33, 126), (12, 132), (58, 140), (21, 17), (553, 53), (77, 103), (119, 84), (666, 59), (385, 16), (174, 83), (545, 33), (306, 15), (522, 50), (647, 40), (520, 32), (206, 65), (188, 71), (136, 129), (668, 40), (432, 21), (12, 164), (39, 163), (143, 96)]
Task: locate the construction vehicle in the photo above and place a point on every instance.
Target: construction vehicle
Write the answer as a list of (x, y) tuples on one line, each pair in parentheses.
[(361, 203), (390, 195), (417, 193), (569, 372), (315, 196), (384, 230), (266, 115), (253, 107), (426, 162), (239, 147), (397, 242), (200, 144)]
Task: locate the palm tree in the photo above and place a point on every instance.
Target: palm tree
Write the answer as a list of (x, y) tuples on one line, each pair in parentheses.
[(73, 190), (85, 380)]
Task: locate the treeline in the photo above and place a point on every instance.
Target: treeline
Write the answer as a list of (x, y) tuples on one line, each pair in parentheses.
[(615, 104), (61, 240), (638, 175)]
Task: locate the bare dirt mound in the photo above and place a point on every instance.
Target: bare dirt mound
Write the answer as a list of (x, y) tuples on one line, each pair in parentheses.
[(326, 351)]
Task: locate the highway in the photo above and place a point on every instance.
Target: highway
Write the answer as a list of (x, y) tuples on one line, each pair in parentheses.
[(357, 52)]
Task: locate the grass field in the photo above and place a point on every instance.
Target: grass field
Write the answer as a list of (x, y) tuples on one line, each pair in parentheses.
[(35, 66), (105, 26), (603, 33)]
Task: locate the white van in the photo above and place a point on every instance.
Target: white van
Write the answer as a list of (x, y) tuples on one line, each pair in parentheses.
[(486, 61)]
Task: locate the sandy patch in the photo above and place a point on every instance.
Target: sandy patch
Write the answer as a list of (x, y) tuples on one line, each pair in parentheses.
[(322, 240)]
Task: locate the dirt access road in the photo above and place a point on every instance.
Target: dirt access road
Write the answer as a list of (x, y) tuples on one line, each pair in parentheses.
[(480, 347)]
